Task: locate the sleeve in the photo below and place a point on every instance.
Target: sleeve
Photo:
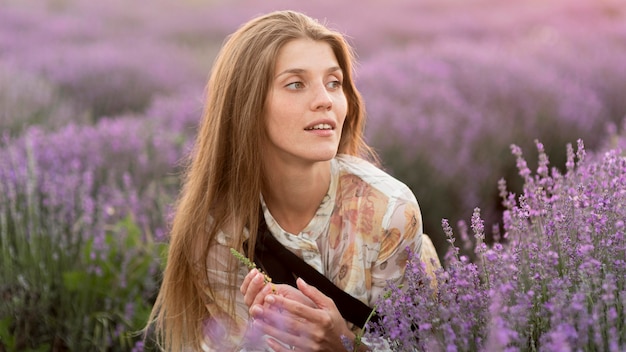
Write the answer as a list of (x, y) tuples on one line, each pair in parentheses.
[(402, 229), (428, 255)]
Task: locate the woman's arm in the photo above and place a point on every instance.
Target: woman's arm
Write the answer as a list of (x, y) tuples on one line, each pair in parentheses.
[(402, 231)]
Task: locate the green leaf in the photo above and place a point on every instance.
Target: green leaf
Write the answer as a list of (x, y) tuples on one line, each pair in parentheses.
[(87, 248), (75, 280), (133, 233), (6, 338)]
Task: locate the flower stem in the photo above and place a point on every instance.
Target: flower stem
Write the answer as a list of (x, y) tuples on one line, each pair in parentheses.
[(251, 265)]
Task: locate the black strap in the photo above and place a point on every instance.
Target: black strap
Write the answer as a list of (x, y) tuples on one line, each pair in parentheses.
[(284, 267)]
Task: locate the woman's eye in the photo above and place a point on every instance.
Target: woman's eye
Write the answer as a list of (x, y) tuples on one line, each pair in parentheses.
[(295, 85), (334, 84)]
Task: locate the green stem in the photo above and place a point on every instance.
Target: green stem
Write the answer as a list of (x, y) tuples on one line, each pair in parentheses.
[(251, 265)]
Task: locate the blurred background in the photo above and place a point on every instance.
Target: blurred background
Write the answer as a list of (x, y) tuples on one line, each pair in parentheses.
[(99, 103)]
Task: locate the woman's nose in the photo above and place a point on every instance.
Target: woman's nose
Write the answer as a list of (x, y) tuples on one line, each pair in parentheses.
[(322, 99)]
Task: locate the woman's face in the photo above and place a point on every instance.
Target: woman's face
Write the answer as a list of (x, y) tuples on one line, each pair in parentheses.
[(306, 106)]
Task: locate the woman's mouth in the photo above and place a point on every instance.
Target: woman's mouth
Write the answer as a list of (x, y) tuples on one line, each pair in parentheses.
[(321, 126)]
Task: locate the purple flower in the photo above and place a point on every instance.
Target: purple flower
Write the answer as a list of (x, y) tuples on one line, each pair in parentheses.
[(553, 284)]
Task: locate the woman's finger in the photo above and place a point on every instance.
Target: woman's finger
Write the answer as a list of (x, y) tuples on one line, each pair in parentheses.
[(259, 298), (319, 298), (254, 287), (247, 279), (283, 327), (291, 293), (303, 311)]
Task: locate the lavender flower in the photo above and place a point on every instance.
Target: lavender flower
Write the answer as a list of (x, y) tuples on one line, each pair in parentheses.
[(556, 283)]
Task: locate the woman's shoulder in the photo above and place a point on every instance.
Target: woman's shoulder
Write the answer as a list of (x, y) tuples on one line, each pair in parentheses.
[(359, 166), (365, 171)]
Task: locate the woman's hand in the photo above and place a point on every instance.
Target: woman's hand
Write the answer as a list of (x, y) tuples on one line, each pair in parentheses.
[(254, 290), (301, 326)]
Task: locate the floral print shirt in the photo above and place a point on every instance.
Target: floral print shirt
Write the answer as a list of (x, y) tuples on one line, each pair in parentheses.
[(359, 235)]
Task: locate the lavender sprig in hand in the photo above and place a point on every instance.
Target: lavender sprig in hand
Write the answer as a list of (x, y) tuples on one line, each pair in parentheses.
[(251, 265)]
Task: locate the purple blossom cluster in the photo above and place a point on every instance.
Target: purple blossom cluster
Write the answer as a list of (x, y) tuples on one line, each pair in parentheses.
[(88, 205), (454, 107), (108, 58), (555, 280), (28, 99), (90, 176)]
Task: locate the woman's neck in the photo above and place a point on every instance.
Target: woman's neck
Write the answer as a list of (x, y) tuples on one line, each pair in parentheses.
[(294, 194)]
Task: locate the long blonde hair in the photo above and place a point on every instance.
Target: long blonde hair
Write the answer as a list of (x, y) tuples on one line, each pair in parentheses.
[(224, 177)]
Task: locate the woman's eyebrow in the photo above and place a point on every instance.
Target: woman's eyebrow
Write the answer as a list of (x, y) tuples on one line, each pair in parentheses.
[(295, 71), (298, 71)]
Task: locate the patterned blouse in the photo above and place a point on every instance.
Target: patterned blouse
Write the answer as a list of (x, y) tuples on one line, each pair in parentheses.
[(357, 238)]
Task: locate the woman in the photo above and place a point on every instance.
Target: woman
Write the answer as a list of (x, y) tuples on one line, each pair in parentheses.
[(281, 142)]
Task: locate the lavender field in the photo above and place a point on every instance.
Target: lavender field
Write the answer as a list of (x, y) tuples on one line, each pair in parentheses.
[(98, 107)]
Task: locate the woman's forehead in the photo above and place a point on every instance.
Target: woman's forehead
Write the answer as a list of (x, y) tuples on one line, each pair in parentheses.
[(305, 55)]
